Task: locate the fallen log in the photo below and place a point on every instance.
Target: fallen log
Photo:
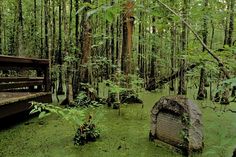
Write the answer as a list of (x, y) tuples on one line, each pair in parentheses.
[(155, 85)]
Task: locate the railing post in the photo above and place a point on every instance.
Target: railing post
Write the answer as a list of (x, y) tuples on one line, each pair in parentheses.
[(47, 79)]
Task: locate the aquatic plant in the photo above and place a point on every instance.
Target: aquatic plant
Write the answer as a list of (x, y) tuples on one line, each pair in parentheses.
[(86, 128)]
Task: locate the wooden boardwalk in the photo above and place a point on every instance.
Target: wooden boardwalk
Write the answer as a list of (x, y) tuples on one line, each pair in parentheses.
[(23, 80)]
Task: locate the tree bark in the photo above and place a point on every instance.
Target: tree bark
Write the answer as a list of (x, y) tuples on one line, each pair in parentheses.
[(78, 56), (231, 23), (112, 49), (128, 24), (46, 48), (107, 49), (140, 45), (69, 81), (86, 42), (60, 57), (152, 76), (35, 27), (226, 22), (230, 33), (41, 31), (173, 33), (20, 28), (202, 92), (182, 81), (1, 43), (53, 39)]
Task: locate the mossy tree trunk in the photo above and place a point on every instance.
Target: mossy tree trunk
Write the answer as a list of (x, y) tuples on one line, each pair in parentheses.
[(128, 25), (60, 57), (85, 71), (202, 92), (152, 75), (184, 40), (1, 47), (230, 36), (77, 54)]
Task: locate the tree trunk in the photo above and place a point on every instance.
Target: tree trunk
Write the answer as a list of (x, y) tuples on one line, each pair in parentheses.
[(78, 56), (41, 31), (20, 34), (202, 92), (212, 34), (53, 39), (60, 58), (69, 82), (35, 28), (1, 43), (152, 76), (128, 24), (112, 49), (46, 48), (107, 49), (226, 30), (182, 86), (231, 23), (140, 45), (230, 35), (173, 53), (86, 43)]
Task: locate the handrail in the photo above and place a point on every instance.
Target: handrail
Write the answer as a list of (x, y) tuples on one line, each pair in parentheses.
[(13, 61), (24, 63)]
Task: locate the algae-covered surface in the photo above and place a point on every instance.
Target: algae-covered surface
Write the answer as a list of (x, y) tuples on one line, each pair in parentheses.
[(121, 135)]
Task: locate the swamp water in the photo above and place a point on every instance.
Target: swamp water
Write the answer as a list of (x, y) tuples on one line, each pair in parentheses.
[(124, 135)]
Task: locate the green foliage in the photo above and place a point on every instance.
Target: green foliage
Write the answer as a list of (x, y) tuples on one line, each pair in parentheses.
[(120, 85), (86, 129), (86, 133), (231, 82), (83, 100), (72, 115)]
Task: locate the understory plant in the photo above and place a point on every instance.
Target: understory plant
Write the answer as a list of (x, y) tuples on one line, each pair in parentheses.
[(80, 118)]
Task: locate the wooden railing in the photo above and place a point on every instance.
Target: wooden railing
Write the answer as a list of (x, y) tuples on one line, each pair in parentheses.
[(39, 81), (23, 80)]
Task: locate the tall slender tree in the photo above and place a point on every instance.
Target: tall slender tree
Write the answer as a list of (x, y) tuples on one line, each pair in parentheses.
[(152, 75), (202, 92), (230, 33), (20, 31), (173, 32), (112, 48), (46, 14), (182, 81), (1, 43), (60, 57), (231, 23), (128, 24), (86, 43), (35, 27), (77, 54), (69, 81)]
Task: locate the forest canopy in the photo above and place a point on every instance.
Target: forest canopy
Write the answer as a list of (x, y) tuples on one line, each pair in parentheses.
[(88, 41)]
